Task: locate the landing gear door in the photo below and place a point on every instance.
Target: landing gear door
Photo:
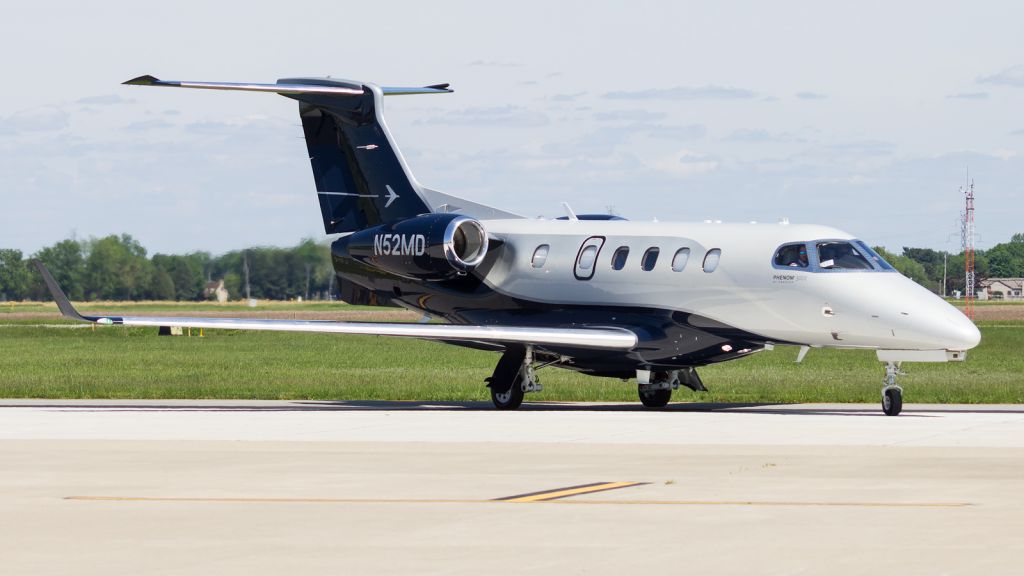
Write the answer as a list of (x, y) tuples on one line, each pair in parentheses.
[(586, 258)]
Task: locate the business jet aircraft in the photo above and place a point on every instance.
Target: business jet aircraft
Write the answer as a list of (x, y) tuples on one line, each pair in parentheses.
[(591, 293)]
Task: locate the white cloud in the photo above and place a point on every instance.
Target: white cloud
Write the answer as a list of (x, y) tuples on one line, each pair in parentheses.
[(103, 100), (1013, 76), (42, 119), (969, 95), (507, 115), (628, 115), (688, 163), (684, 93)]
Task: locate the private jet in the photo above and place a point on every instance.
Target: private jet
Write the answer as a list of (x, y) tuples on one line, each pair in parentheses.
[(598, 294)]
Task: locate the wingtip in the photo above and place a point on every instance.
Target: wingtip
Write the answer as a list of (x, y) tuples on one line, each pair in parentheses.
[(145, 80), (63, 304)]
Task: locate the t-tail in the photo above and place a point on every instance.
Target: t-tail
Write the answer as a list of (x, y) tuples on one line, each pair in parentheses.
[(361, 178)]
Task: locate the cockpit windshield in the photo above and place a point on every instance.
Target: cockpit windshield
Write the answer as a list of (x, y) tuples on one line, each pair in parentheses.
[(829, 256), (841, 256), (874, 256)]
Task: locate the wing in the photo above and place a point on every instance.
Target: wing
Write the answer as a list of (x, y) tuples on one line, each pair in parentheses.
[(606, 338)]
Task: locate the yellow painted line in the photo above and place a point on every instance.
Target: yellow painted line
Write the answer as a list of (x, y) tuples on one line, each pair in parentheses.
[(557, 493), (779, 503), (272, 500)]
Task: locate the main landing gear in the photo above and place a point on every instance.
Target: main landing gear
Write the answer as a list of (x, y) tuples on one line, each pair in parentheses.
[(513, 377), (892, 394)]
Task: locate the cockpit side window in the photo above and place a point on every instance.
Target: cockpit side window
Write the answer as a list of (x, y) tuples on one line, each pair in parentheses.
[(840, 255), (792, 256)]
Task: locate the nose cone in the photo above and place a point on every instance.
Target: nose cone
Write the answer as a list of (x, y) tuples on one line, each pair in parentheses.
[(960, 333)]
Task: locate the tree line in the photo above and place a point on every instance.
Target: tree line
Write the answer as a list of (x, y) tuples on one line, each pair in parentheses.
[(925, 266), (117, 268)]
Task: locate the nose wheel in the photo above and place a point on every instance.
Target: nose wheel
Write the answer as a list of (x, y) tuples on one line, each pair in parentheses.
[(655, 388), (892, 394)]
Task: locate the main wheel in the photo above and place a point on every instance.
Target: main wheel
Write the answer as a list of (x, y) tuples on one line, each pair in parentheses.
[(655, 398), (509, 399), (892, 401), (506, 383)]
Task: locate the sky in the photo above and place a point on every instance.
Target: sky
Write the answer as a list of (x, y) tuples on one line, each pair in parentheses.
[(864, 116)]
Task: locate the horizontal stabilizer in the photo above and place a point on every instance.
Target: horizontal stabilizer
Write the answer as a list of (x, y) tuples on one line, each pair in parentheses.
[(292, 86), (605, 338)]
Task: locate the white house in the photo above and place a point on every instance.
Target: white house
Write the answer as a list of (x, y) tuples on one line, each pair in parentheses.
[(1001, 289), (216, 290)]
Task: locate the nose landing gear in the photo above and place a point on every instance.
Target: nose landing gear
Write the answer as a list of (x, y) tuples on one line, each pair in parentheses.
[(655, 388), (892, 394)]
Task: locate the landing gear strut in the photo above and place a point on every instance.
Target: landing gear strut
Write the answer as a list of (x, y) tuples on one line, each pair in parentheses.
[(655, 388), (892, 394), (513, 377)]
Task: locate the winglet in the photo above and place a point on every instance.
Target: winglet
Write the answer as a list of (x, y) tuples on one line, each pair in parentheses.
[(145, 80), (65, 306)]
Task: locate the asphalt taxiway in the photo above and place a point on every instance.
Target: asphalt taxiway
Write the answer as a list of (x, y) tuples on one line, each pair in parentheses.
[(237, 487)]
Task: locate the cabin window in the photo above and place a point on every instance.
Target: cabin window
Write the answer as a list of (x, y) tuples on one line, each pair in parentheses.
[(792, 256), (619, 257), (587, 257), (540, 255), (680, 259), (650, 259), (840, 256), (711, 260)]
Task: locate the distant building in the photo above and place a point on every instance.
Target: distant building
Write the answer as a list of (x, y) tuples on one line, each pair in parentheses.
[(216, 290), (1001, 289)]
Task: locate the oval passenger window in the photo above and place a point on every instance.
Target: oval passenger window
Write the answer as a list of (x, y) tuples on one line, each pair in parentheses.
[(619, 258), (680, 259), (587, 257), (711, 260), (650, 259), (540, 255)]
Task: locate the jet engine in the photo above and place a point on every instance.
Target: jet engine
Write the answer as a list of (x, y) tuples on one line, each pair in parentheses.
[(426, 247)]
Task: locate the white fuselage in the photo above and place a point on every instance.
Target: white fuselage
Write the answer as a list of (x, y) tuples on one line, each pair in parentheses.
[(811, 306)]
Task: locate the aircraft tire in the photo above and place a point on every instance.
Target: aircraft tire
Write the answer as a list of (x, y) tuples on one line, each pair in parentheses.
[(892, 401), (509, 399), (506, 383), (655, 398)]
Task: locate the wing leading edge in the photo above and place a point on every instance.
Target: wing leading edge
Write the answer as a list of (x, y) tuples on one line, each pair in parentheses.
[(607, 338)]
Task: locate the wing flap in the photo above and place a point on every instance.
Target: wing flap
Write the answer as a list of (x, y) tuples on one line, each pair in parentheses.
[(603, 338)]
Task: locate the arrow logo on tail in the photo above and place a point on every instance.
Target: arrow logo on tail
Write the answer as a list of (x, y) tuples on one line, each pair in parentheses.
[(391, 195)]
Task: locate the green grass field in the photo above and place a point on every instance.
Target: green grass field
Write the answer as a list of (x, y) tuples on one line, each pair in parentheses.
[(118, 362)]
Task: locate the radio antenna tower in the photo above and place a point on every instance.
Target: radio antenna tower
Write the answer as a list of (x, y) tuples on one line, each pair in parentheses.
[(967, 243)]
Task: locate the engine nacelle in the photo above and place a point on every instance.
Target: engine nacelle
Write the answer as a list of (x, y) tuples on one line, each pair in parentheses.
[(427, 247)]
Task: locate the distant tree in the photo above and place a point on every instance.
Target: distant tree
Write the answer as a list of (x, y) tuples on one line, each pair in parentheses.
[(162, 286), (13, 275), (931, 260), (908, 267), (1017, 238), (186, 274), (117, 269), (1006, 260)]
